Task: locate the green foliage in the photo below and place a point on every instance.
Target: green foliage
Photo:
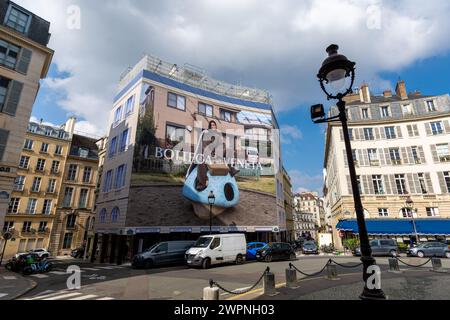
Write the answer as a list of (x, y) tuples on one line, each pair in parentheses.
[(402, 246), (351, 244)]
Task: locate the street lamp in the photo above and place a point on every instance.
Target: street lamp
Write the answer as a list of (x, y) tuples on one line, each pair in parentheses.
[(211, 200), (409, 203), (333, 77)]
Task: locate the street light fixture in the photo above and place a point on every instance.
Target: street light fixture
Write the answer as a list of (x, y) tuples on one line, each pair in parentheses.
[(334, 75), (211, 200), (409, 203)]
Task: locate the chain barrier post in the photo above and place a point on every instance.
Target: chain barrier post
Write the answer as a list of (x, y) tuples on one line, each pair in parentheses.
[(331, 271), (393, 266), (437, 265), (269, 283), (211, 293), (291, 277)]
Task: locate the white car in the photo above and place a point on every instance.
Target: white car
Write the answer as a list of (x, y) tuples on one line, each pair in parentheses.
[(41, 252)]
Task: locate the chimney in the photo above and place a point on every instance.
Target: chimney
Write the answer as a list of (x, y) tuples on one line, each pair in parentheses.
[(387, 93), (417, 93), (364, 93), (69, 126), (400, 90)]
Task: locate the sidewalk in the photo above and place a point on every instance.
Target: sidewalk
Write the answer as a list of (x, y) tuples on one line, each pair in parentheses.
[(13, 285)]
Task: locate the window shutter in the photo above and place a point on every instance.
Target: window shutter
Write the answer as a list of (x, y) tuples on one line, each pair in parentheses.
[(387, 185), (24, 61), (429, 183), (428, 128), (365, 157), (404, 155), (349, 186), (416, 130), (393, 185), (4, 134), (434, 153), (387, 156), (371, 190), (383, 133), (447, 126), (365, 185), (377, 133), (399, 132), (345, 158), (415, 177), (411, 185), (381, 157), (442, 183), (356, 134), (13, 97), (410, 155), (410, 130), (341, 132), (421, 155)]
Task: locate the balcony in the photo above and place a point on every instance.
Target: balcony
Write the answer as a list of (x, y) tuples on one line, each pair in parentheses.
[(445, 158), (396, 162), (374, 163), (55, 172)]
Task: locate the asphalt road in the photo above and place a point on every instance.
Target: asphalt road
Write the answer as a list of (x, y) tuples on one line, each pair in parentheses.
[(102, 281)]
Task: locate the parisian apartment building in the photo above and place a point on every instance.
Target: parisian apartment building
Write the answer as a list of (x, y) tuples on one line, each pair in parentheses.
[(306, 214), (400, 145), (288, 206), (24, 61), (52, 201)]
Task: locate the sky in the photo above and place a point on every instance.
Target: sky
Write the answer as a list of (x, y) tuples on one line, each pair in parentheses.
[(277, 46)]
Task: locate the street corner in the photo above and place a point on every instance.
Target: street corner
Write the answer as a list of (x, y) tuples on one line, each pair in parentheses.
[(14, 285)]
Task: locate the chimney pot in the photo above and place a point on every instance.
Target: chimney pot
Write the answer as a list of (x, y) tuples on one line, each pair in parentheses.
[(387, 93), (400, 90)]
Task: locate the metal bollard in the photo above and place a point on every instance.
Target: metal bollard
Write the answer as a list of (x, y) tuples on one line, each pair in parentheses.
[(210, 293), (393, 266), (332, 272), (437, 265), (269, 284), (291, 278)]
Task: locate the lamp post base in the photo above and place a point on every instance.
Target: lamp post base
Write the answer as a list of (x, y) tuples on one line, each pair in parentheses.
[(374, 294)]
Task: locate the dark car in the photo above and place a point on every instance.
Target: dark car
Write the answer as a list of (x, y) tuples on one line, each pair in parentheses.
[(381, 247), (276, 251), (310, 247), (162, 253)]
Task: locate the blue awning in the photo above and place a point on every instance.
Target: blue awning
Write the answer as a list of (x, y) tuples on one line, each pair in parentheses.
[(398, 226)]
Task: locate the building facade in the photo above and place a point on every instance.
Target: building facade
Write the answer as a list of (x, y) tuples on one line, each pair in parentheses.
[(157, 122), (32, 207), (305, 219), (288, 206), (24, 61), (400, 144)]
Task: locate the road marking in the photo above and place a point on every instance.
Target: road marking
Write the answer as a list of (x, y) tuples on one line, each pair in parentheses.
[(40, 276), (88, 296), (68, 295), (106, 268), (43, 295), (9, 277), (91, 269), (59, 273), (106, 298), (3, 295)]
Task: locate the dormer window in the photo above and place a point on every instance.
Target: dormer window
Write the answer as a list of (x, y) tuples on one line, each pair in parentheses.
[(17, 19), (407, 109), (385, 112), (365, 113), (430, 106)]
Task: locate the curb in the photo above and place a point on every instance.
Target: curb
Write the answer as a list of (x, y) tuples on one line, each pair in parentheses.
[(33, 285)]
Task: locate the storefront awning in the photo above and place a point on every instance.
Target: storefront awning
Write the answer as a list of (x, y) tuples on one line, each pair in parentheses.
[(398, 226)]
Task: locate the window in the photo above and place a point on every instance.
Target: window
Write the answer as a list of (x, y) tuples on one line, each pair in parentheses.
[(112, 147), (373, 157), (447, 180), (123, 141), (58, 150), (36, 186), (129, 106), (51, 185), (215, 243), (7, 226), (115, 213), (430, 106), (120, 177), (31, 206), (83, 152), (365, 113), (400, 183), (14, 205), (87, 174), (423, 186), (377, 184), (390, 132), (395, 156), (55, 166), (383, 212), (415, 155), (432, 212), (19, 183), (28, 144), (47, 207), (225, 115), (350, 134), (67, 243), (406, 213), (436, 127), (102, 215), (107, 181), (18, 20), (8, 54), (443, 152), (358, 180), (385, 112), (118, 115), (72, 173), (24, 162), (44, 147), (71, 220), (368, 134), (67, 200), (413, 131), (174, 134), (4, 85), (407, 109), (40, 165), (62, 134), (82, 202), (48, 131), (205, 109), (26, 226), (176, 101), (42, 226)]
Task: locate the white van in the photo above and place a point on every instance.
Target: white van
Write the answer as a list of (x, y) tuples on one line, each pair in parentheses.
[(217, 248)]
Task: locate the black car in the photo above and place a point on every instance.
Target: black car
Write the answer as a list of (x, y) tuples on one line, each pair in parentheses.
[(310, 247), (276, 251)]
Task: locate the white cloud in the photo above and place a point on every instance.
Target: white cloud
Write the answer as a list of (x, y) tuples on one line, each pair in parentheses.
[(302, 181), (289, 133), (276, 46)]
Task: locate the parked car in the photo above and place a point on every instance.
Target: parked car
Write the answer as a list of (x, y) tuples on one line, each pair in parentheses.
[(162, 253), (17, 262), (310, 247), (218, 248), (429, 249), (252, 247), (381, 247), (41, 252), (276, 251)]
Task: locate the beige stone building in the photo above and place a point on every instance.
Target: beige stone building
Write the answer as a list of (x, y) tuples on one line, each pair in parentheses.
[(307, 218), (400, 144), (24, 61), (288, 206)]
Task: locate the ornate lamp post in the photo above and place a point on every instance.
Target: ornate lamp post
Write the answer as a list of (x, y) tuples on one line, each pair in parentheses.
[(336, 77), (409, 204), (211, 200)]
